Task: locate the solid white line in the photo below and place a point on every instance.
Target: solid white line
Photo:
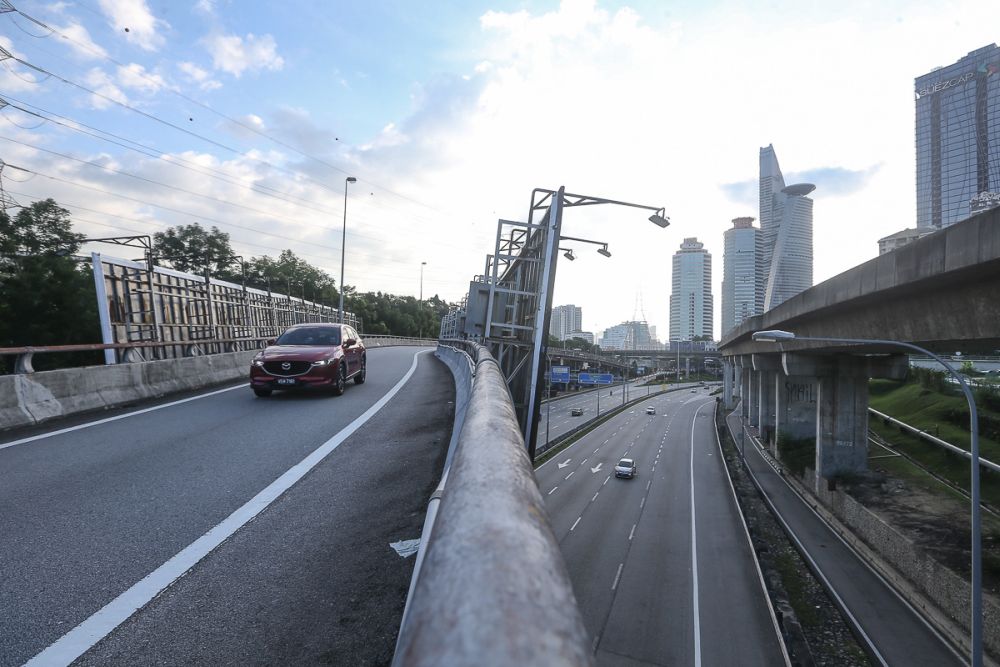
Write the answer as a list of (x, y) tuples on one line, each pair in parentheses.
[(552, 491), (575, 522), (631, 533), (97, 422), (617, 576), (83, 637), (694, 552)]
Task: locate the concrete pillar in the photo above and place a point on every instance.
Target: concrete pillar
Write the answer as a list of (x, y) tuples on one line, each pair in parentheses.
[(754, 396), (795, 397), (767, 367), (727, 384), (842, 419)]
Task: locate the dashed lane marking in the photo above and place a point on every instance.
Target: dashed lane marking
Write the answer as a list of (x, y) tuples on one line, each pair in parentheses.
[(617, 576), (552, 491), (575, 522)]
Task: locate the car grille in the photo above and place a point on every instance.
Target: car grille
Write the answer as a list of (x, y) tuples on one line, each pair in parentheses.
[(293, 368)]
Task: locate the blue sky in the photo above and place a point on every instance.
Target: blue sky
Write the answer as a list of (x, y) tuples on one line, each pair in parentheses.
[(449, 113)]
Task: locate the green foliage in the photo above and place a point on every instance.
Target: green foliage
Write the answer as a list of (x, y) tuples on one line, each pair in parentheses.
[(291, 274), (930, 379), (397, 315), (968, 368), (192, 249), (796, 454), (46, 298)]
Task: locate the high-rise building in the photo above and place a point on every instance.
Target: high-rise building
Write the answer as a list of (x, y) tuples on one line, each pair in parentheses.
[(565, 319), (785, 231), (691, 311), (632, 335), (958, 139), (742, 282)]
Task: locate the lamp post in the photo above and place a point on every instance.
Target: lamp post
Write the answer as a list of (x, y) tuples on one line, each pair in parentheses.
[(976, 640), (420, 304), (343, 246)]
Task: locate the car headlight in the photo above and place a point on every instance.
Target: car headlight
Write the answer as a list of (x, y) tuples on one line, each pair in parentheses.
[(322, 362), (258, 362)]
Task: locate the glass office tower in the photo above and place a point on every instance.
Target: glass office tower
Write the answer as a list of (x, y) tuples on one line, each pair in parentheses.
[(958, 139), (691, 311), (742, 293)]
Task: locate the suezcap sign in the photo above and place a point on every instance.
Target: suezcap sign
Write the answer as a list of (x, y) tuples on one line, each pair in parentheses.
[(945, 85)]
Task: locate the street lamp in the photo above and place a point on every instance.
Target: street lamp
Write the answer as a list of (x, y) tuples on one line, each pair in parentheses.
[(568, 254), (422, 265), (343, 245), (420, 321), (659, 218), (778, 336), (604, 251)]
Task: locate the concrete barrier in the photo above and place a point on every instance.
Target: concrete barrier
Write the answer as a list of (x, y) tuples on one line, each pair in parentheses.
[(38, 397)]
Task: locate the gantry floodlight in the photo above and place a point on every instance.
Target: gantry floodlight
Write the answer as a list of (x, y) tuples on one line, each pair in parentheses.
[(568, 254), (976, 583), (659, 218), (604, 251)]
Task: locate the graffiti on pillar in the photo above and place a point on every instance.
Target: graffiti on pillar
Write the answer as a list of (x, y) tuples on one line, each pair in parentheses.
[(796, 392)]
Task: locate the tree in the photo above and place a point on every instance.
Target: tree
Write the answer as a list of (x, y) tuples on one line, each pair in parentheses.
[(192, 249), (291, 274), (46, 297)]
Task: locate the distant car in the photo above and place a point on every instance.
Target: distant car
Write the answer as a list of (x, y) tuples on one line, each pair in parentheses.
[(310, 356), (576, 412), (694, 391), (651, 410), (625, 468)]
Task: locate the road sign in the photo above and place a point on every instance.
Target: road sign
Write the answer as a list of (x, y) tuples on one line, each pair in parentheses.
[(596, 378), (560, 374)]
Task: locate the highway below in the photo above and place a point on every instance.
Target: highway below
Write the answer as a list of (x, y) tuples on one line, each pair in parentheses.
[(661, 564), (593, 403), (223, 528)]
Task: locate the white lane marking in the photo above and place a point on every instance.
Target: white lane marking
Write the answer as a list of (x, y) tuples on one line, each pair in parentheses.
[(564, 463), (642, 502), (98, 422), (598, 468), (605, 480), (83, 637), (595, 496), (648, 483), (552, 491), (617, 576), (570, 475), (575, 522), (583, 461), (597, 450), (694, 552), (631, 533)]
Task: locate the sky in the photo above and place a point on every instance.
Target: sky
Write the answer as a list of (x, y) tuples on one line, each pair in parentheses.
[(137, 115)]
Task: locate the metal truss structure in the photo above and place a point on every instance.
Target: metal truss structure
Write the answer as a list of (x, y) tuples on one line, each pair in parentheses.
[(138, 302)]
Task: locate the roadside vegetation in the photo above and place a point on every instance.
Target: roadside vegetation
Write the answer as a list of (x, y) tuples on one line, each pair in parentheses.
[(47, 295)]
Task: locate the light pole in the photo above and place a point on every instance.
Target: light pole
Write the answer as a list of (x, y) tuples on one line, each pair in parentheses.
[(778, 336), (420, 304), (422, 265), (343, 246)]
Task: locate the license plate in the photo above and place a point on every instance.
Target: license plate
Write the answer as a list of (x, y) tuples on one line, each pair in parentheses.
[(286, 380)]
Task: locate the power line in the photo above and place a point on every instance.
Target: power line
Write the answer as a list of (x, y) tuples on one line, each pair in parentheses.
[(249, 128)]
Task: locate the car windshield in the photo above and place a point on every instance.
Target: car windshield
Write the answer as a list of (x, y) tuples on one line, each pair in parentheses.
[(310, 336), (625, 463)]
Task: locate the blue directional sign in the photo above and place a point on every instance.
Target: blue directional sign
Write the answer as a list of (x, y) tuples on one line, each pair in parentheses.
[(560, 374), (596, 378)]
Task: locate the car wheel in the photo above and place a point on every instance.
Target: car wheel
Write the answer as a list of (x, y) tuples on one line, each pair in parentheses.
[(262, 393), (338, 386), (360, 377)]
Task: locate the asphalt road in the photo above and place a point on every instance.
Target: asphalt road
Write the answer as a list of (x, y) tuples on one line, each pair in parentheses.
[(309, 578), (560, 407), (660, 564), (894, 630)]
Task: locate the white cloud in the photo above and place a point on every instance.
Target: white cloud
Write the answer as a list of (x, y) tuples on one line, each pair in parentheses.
[(234, 54), (200, 76), (101, 82), (136, 77), (15, 77), (80, 41), (135, 20)]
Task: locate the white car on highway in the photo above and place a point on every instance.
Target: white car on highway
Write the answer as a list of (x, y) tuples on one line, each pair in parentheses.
[(625, 468)]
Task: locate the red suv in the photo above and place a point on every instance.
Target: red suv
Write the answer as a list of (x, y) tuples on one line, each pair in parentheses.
[(324, 356)]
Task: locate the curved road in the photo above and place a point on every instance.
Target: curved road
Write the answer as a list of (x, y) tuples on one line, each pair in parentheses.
[(661, 564), (267, 521)]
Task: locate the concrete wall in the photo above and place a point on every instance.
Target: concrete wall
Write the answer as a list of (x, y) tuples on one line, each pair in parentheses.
[(37, 397)]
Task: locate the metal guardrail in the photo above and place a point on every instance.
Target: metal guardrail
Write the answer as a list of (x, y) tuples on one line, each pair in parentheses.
[(493, 588), (23, 355), (986, 463)]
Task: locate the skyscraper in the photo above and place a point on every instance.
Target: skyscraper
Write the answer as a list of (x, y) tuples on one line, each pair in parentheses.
[(958, 139), (565, 319), (742, 282), (786, 233), (691, 311)]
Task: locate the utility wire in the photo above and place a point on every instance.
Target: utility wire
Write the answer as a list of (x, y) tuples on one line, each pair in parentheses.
[(198, 103)]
